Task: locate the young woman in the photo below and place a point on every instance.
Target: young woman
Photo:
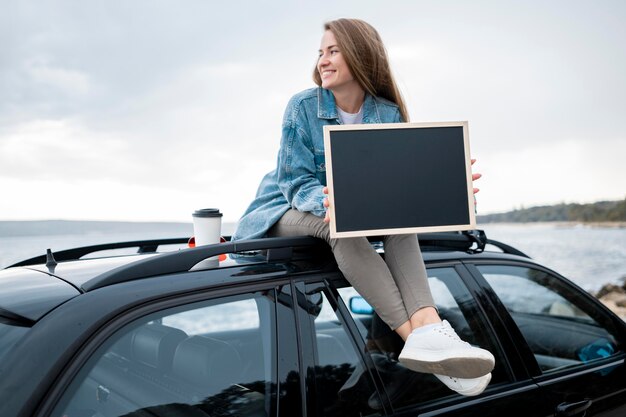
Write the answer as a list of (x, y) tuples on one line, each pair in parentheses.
[(356, 86)]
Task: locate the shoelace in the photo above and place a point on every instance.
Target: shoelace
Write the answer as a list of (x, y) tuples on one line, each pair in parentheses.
[(447, 330)]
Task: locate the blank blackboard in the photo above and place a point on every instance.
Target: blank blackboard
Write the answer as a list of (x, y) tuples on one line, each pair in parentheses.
[(398, 178)]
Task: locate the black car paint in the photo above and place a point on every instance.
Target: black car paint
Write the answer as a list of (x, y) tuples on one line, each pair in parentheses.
[(37, 371)]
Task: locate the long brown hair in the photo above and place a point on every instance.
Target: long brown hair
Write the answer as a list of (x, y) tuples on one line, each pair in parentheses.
[(366, 57)]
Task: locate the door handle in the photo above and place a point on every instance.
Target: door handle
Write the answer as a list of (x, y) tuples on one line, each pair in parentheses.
[(577, 409)]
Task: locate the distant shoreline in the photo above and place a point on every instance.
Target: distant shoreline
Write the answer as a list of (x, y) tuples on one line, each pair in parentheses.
[(600, 213)]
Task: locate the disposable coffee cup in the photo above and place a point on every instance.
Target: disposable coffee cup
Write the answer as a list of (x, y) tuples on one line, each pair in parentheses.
[(207, 226)]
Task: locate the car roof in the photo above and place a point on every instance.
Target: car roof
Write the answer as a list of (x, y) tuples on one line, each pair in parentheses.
[(26, 294), (79, 271)]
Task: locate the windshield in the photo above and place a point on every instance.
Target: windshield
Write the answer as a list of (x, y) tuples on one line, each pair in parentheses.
[(9, 336)]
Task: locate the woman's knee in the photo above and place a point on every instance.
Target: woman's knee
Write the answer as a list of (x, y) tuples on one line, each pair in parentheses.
[(301, 223)]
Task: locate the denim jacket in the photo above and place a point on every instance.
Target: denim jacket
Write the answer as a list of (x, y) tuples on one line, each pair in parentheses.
[(300, 173)]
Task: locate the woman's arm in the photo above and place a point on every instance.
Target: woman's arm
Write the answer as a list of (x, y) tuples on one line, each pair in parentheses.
[(296, 169)]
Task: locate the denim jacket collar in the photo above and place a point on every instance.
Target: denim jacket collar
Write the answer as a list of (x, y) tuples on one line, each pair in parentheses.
[(327, 108)]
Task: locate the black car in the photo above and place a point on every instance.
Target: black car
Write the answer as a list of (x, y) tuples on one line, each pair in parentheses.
[(274, 329)]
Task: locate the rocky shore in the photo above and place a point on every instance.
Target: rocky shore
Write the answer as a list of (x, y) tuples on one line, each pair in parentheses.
[(614, 297)]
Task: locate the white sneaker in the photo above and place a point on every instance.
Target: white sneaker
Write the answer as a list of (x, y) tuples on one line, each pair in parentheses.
[(439, 350), (466, 386)]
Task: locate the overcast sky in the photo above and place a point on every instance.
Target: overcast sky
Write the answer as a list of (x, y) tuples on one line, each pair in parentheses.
[(148, 110)]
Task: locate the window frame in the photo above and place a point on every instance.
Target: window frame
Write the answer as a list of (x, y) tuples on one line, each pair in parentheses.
[(511, 342), (99, 338), (307, 342), (590, 306)]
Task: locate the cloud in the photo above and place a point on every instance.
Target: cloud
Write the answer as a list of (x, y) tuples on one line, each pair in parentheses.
[(66, 81), (59, 150), (182, 103)]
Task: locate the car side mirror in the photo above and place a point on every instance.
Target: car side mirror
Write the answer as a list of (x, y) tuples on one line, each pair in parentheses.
[(358, 305)]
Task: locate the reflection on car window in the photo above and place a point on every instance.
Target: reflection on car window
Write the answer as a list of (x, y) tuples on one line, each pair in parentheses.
[(455, 304), (529, 296), (211, 358), (238, 315), (550, 317), (343, 387)]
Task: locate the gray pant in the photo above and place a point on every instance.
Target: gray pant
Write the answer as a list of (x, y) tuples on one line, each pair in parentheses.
[(396, 287)]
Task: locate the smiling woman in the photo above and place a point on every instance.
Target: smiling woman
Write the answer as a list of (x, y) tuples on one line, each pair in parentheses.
[(356, 86)]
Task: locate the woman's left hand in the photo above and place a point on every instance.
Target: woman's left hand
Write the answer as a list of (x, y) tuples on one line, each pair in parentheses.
[(474, 177), (326, 204)]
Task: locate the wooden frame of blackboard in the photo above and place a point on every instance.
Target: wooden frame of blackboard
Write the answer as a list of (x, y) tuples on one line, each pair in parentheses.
[(367, 162)]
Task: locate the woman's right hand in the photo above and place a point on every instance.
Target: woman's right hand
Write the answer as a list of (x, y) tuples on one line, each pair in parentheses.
[(326, 204)]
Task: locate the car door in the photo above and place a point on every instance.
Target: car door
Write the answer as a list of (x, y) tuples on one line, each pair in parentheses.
[(574, 348), (405, 393), (210, 353)]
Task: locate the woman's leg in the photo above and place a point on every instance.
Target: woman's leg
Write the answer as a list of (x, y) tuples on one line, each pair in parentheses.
[(431, 346), (358, 261), (404, 259)]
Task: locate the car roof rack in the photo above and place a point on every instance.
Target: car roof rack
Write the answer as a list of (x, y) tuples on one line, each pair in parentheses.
[(470, 241), (275, 249), (507, 248), (143, 246), (278, 248)]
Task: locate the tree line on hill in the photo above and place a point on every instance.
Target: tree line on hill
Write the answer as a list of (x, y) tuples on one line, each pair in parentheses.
[(602, 211)]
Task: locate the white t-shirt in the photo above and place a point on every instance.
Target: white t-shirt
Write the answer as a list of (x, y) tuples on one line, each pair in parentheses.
[(350, 118)]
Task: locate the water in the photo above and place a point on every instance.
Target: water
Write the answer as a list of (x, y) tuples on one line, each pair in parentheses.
[(17, 248), (589, 256)]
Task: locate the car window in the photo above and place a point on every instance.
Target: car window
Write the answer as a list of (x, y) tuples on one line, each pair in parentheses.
[(236, 315), (343, 387), (210, 358), (456, 305), (551, 317)]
